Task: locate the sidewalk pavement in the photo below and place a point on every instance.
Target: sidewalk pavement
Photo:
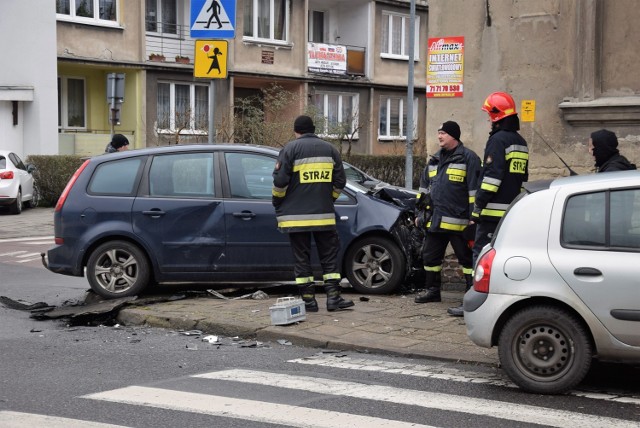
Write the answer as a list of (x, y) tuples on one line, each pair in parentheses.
[(391, 324)]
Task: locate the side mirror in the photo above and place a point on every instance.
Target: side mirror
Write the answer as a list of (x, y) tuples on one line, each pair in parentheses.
[(30, 168)]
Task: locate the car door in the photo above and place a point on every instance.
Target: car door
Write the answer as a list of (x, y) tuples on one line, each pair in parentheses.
[(254, 243), (594, 245), (178, 215)]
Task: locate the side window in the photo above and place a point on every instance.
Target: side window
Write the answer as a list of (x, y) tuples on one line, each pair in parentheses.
[(115, 178), (250, 176), (185, 175), (606, 219), (625, 219), (584, 220)]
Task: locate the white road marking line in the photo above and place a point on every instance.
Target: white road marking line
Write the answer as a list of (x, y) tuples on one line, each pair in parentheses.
[(35, 238), (441, 372), (29, 260), (242, 409), (431, 400), (22, 256), (13, 253), (47, 242), (28, 420)]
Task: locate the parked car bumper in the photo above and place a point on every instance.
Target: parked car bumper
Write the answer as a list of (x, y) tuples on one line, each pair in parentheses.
[(482, 320)]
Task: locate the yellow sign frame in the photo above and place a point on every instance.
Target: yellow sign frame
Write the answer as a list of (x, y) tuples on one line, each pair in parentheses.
[(210, 59)]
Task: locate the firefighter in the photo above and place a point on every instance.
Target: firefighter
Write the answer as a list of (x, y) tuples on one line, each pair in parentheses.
[(307, 179), (447, 185), (505, 167)]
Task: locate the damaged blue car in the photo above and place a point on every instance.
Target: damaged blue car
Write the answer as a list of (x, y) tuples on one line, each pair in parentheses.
[(203, 214)]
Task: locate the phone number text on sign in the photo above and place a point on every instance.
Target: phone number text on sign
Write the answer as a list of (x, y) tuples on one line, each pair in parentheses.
[(445, 90)]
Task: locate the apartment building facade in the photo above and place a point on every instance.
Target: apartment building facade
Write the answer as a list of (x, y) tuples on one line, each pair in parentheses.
[(277, 42)]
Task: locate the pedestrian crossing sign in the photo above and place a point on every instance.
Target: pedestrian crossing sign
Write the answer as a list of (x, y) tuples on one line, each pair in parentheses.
[(213, 19), (210, 59)]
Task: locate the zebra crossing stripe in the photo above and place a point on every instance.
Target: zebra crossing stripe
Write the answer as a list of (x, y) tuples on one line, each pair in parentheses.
[(257, 411), (442, 372), (28, 420), (454, 403)]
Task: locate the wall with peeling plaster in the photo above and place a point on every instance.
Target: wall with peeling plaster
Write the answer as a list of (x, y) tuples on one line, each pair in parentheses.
[(575, 58)]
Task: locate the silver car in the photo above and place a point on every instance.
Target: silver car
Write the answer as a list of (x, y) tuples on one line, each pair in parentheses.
[(560, 282)]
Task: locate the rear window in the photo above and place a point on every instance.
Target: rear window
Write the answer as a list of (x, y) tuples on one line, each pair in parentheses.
[(603, 220), (116, 178)]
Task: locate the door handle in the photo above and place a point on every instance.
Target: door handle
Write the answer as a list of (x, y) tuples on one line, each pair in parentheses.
[(587, 271), (245, 215), (154, 213)]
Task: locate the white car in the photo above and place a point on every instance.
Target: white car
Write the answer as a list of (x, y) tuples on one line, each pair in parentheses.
[(559, 282), (16, 183)]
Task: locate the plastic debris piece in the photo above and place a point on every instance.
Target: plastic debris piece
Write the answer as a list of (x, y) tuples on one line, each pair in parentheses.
[(284, 342), (191, 332), (259, 295), (211, 339), (255, 310)]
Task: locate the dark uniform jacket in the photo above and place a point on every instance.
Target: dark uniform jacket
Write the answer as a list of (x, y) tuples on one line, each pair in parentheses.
[(451, 179), (505, 168), (307, 179)]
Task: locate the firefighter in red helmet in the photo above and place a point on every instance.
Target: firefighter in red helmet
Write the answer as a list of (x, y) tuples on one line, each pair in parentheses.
[(505, 167)]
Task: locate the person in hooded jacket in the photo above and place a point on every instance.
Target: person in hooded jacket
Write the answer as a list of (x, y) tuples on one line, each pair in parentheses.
[(603, 146), (448, 183), (118, 143)]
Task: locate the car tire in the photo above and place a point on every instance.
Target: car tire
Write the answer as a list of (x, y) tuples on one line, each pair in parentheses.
[(545, 350), (16, 206), (374, 265), (118, 269), (35, 198)]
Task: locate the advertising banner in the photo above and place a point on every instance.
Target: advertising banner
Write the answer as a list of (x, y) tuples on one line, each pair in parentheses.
[(445, 67), (327, 58)]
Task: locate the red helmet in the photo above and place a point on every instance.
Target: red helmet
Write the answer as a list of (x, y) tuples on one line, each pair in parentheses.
[(499, 105)]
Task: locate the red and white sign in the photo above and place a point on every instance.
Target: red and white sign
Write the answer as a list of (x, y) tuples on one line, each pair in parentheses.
[(324, 58)]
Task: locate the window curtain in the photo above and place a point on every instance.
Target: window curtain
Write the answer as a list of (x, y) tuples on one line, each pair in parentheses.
[(84, 8), (169, 19), (151, 18), (264, 13), (202, 108), (396, 36), (183, 107), (279, 16), (164, 110), (75, 103), (107, 9)]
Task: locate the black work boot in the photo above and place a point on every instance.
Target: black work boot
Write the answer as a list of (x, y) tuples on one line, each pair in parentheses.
[(458, 311), (432, 295), (432, 282), (334, 300), (308, 294)]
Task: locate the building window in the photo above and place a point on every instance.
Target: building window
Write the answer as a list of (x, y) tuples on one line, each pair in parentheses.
[(161, 16), (266, 20), (103, 12), (316, 26), (393, 118), (395, 36), (72, 110), (183, 107), (340, 113)]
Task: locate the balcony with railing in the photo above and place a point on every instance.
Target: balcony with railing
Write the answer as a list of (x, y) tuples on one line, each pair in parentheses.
[(169, 43)]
